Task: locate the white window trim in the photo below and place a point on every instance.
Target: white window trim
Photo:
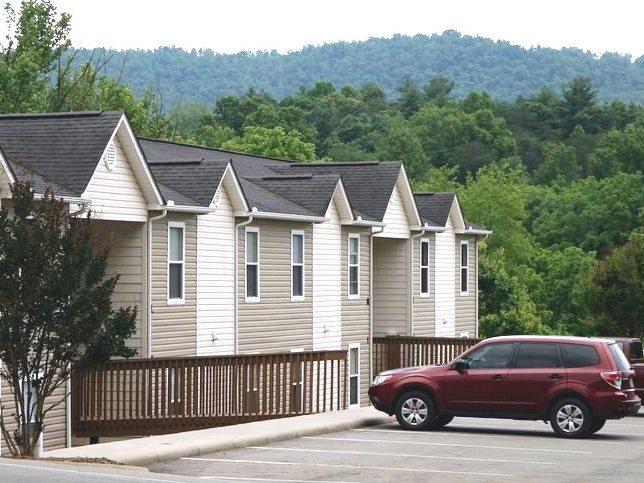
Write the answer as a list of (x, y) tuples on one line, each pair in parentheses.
[(253, 229), (182, 300), (349, 265), (298, 298), (421, 266), (466, 267), (354, 345)]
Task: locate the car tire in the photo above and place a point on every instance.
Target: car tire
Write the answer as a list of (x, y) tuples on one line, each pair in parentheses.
[(442, 421), (415, 411), (571, 418), (597, 425)]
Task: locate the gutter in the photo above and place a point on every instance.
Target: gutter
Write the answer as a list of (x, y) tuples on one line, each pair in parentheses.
[(75, 200), (254, 213), (149, 280), (170, 206), (235, 283), (426, 228), (475, 231)]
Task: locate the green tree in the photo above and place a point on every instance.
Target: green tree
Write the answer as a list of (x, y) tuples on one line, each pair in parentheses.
[(559, 164), (36, 39), (619, 151), (580, 106), (275, 142), (616, 295), (55, 310), (399, 143), (590, 214)]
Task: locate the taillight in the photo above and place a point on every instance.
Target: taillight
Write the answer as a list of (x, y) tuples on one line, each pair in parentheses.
[(614, 378)]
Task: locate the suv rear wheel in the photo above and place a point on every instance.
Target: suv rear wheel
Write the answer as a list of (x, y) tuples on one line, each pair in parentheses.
[(415, 410), (571, 418)]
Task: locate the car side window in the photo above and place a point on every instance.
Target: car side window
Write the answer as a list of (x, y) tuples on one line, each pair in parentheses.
[(578, 355), (491, 356), (537, 355)]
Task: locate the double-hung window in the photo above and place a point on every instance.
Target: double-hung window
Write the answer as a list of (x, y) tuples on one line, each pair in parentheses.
[(354, 266), (464, 267), (176, 262), (297, 265), (252, 264), (424, 267)]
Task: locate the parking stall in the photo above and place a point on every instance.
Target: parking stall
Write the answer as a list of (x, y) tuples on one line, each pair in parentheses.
[(468, 449)]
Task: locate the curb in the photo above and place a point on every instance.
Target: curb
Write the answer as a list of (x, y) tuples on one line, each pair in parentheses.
[(155, 449)]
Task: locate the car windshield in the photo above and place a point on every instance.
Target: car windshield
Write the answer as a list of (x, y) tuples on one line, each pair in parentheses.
[(619, 358)]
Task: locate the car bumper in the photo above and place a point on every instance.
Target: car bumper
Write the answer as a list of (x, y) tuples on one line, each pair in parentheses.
[(619, 405), (379, 397)]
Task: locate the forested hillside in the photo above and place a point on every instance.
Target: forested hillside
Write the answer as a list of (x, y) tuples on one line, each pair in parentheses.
[(557, 175), (505, 71)]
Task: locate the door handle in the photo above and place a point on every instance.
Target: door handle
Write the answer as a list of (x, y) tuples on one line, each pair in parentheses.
[(555, 376), (498, 377)]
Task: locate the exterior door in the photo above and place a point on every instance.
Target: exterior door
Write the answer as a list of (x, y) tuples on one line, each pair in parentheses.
[(482, 387), (537, 368)]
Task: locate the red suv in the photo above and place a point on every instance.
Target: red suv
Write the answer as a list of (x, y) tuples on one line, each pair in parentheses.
[(575, 383)]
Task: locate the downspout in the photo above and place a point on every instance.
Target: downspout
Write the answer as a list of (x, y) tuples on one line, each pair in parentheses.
[(423, 230), (372, 233), (235, 281), (149, 277), (476, 303)]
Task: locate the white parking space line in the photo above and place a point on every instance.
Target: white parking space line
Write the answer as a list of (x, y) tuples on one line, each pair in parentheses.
[(239, 478), (484, 435), (345, 466), (368, 453), (457, 445), (607, 432), (86, 473)]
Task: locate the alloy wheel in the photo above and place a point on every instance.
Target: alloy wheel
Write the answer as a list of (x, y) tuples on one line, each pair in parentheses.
[(414, 411), (570, 418)]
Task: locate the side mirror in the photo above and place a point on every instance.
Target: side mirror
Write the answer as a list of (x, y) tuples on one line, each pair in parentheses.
[(461, 365)]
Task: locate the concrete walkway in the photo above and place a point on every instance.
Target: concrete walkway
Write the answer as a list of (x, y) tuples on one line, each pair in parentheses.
[(144, 451)]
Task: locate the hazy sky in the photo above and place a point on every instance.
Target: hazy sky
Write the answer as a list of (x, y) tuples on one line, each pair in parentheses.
[(284, 25)]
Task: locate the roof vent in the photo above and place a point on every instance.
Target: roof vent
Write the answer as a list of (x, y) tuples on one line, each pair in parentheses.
[(109, 158)]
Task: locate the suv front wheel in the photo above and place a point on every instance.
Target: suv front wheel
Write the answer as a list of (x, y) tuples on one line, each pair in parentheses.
[(415, 410), (571, 418)]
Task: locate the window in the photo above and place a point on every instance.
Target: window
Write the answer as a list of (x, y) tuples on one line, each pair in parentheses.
[(354, 375), (537, 355), (424, 267), (297, 265), (491, 356), (176, 257), (577, 355), (354, 266), (619, 358), (252, 264), (464, 267)]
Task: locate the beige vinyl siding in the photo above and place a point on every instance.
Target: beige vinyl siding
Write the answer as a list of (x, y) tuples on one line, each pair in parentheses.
[(423, 323), (55, 434), (215, 265), (356, 312), (466, 304), (327, 291), (395, 219), (115, 194), (275, 322), (127, 259), (390, 286), (174, 327)]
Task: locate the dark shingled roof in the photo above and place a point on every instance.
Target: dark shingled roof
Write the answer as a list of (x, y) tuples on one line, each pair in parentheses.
[(369, 185), (186, 172), (312, 192), (59, 149), (434, 207)]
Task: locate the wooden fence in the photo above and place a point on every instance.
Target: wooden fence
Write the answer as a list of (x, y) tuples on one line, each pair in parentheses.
[(165, 395), (392, 352)]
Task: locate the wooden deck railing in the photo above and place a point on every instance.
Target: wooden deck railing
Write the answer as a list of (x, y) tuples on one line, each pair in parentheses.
[(166, 395), (392, 352)]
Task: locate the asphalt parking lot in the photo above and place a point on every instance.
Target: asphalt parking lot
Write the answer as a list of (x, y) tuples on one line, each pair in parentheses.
[(467, 450)]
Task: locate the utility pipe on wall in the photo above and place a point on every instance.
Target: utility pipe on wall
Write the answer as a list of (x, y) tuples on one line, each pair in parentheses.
[(236, 280)]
